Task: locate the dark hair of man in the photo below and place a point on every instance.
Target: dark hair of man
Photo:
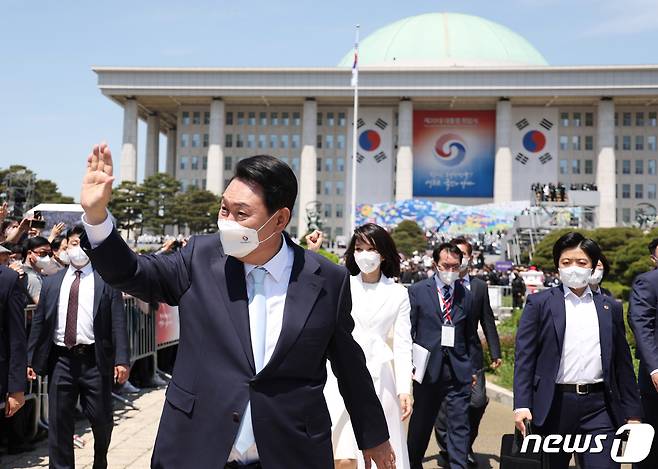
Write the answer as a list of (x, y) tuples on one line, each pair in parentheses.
[(451, 248), (34, 243), (652, 246), (573, 240), (273, 177), (57, 243), (75, 230), (381, 240), (461, 241)]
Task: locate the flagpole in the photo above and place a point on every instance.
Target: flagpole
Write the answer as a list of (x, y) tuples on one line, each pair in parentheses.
[(355, 83)]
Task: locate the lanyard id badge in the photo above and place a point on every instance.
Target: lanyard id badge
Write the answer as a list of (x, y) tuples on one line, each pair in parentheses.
[(447, 335)]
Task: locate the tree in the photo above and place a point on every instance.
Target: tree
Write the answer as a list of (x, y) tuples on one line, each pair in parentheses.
[(197, 209), (46, 191), (127, 206), (409, 237), (159, 202)]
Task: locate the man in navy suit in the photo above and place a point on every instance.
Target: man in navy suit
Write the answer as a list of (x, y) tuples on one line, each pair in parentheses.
[(441, 324), (573, 372), (79, 339), (259, 316), (642, 317)]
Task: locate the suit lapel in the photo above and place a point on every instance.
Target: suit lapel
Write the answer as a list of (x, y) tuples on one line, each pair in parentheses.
[(604, 313), (559, 312), (303, 290), (434, 298), (230, 279), (57, 288), (98, 291)]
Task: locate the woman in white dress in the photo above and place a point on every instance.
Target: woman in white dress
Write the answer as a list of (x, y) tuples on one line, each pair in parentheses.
[(380, 308)]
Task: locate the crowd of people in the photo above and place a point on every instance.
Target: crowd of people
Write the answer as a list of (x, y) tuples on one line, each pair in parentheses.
[(549, 192), (285, 359)]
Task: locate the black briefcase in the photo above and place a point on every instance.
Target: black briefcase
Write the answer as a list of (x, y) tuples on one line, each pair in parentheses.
[(511, 456)]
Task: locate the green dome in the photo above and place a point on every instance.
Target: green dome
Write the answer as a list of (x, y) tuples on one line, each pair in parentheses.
[(444, 40)]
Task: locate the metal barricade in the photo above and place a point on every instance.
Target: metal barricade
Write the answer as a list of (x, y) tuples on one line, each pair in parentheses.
[(141, 328), (501, 301)]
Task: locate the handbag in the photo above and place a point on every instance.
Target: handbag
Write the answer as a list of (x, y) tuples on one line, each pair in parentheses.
[(511, 456)]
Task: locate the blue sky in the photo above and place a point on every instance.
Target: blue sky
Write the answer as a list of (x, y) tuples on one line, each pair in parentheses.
[(52, 111)]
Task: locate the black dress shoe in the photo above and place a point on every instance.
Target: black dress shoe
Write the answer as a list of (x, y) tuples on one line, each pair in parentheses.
[(470, 460)]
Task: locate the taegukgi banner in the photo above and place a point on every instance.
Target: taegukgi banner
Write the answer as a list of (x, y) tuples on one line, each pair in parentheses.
[(454, 153)]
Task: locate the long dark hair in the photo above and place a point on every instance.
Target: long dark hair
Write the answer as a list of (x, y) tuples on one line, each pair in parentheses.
[(379, 239)]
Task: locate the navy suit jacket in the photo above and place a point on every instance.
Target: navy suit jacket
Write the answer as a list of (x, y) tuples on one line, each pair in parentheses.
[(642, 317), (482, 313), (13, 358), (539, 342), (214, 376), (110, 326), (426, 324)]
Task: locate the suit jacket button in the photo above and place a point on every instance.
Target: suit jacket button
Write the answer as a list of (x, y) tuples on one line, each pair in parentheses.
[(236, 417)]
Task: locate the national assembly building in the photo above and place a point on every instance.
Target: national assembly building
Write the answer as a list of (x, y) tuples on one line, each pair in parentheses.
[(452, 108)]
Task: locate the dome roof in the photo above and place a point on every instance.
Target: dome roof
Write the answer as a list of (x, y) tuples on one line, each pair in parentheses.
[(444, 40)]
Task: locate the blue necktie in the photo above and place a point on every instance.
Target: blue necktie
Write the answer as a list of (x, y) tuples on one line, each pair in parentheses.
[(258, 328)]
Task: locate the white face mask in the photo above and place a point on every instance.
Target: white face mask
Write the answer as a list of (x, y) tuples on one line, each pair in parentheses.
[(596, 277), (63, 256), (77, 256), (237, 240), (43, 263), (448, 277), (575, 277), (52, 268), (368, 261)]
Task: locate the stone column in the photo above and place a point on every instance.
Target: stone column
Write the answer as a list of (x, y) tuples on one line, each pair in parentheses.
[(152, 145), (503, 163), (215, 172), (605, 164), (308, 167), (405, 158), (171, 152), (128, 171)]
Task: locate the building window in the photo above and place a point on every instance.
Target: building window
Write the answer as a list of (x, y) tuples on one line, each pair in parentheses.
[(228, 140), (330, 119), (239, 142), (652, 119), (227, 182), (639, 142), (564, 168), (229, 118), (203, 184), (284, 141), (626, 215), (589, 119), (183, 162), (639, 191), (296, 119), (262, 141), (329, 141), (564, 142), (195, 163), (329, 165), (651, 191), (206, 140), (319, 119), (564, 119), (274, 139), (589, 167), (196, 141), (616, 142), (251, 118), (340, 187), (251, 141), (340, 164), (651, 167), (206, 118), (318, 165), (240, 118), (626, 167), (576, 119), (339, 231), (186, 118), (296, 141), (183, 185), (575, 166), (228, 163), (318, 187), (639, 167), (341, 119), (318, 143), (327, 187), (340, 142), (339, 210), (285, 119), (284, 159), (575, 142), (616, 119), (295, 165), (625, 191), (196, 118), (589, 142), (327, 211), (274, 119), (639, 119), (627, 119), (184, 140), (651, 142), (262, 118), (626, 145), (204, 164)]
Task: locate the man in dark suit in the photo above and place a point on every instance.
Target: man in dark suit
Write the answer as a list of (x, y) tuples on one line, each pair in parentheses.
[(573, 372), (79, 339), (259, 316), (441, 324), (13, 356), (481, 314), (643, 319)]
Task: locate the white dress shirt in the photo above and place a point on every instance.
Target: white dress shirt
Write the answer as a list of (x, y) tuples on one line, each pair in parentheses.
[(466, 281), (580, 362), (85, 327), (440, 285), (276, 282)]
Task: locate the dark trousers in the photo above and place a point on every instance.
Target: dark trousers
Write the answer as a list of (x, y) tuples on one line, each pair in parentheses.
[(427, 401), (575, 414), (478, 405), (650, 408), (74, 375)]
